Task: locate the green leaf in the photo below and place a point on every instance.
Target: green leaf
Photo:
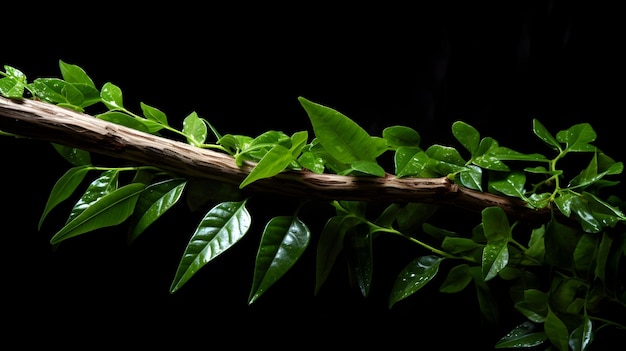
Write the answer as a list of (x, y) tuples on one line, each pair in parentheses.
[(456, 245), (329, 245), (110, 210), (64, 188), (124, 119), (366, 167), (506, 154), (222, 227), (155, 201), (467, 135), (276, 160), (411, 162), (543, 134), (582, 337), (578, 137), (58, 91), (154, 114), (496, 224), (112, 97), (413, 277), (12, 86), (495, 258), (556, 331), (195, 129), (399, 136), (341, 137), (74, 74), (283, 241), (457, 279), (534, 305), (106, 183), (511, 185), (360, 260), (522, 336)]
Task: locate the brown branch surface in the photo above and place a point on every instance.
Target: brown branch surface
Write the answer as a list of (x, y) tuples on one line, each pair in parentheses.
[(48, 122)]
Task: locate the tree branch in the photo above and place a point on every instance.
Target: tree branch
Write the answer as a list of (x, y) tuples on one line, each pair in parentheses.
[(48, 122)]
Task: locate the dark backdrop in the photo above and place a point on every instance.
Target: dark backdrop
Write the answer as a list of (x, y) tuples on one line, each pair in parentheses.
[(242, 68)]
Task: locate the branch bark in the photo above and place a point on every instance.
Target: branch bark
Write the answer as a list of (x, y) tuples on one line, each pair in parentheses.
[(43, 121)]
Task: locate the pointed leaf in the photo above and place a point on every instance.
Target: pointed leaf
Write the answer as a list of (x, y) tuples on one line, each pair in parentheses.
[(543, 134), (64, 188), (154, 201), (103, 185), (222, 227), (284, 240), (341, 137), (522, 336), (413, 277), (467, 135), (110, 210), (556, 331)]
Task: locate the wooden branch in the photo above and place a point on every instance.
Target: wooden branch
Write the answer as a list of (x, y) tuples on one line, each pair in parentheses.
[(48, 122)]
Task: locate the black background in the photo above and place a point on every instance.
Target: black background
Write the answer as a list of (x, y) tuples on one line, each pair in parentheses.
[(242, 68)]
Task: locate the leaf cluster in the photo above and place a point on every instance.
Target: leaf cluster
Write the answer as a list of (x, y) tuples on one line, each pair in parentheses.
[(567, 281)]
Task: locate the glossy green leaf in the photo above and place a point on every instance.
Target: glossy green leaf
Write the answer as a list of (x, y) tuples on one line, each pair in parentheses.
[(64, 188), (401, 136), (276, 160), (410, 162), (457, 245), (329, 245), (472, 178), (106, 183), (556, 331), (360, 258), (540, 131), (13, 85), (524, 335), (457, 279), (511, 185), (413, 277), (111, 96), (578, 138), (283, 241), (57, 91), (124, 119), (221, 228), (341, 137), (154, 114), (467, 135), (112, 209), (368, 168), (195, 129), (506, 154), (155, 201), (74, 74), (582, 337), (495, 258), (495, 224), (490, 162), (534, 305), (498, 232)]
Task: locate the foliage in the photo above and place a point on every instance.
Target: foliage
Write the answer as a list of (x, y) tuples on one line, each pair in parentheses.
[(566, 280)]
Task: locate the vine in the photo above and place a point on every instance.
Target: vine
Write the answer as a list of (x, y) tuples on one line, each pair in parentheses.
[(564, 269)]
